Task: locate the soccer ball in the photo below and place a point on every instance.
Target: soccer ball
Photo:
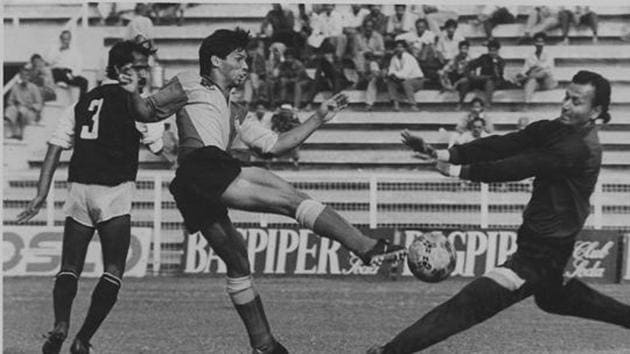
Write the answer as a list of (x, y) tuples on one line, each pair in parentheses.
[(431, 257)]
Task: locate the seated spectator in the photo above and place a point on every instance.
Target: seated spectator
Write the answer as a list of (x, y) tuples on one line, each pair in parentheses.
[(539, 19), (522, 123), (368, 41), (537, 73), (328, 27), (254, 86), (352, 21), (371, 79), (378, 18), (168, 13), (329, 75), (276, 57), (293, 78), (448, 42), (24, 105), (418, 40), (261, 110), (41, 75), (580, 16), (477, 130), (492, 15), (436, 17), (454, 71), (400, 22), (490, 75), (279, 26), (477, 110), (67, 63), (302, 28), (404, 73)]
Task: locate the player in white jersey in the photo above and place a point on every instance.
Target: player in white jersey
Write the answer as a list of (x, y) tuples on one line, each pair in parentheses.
[(209, 180)]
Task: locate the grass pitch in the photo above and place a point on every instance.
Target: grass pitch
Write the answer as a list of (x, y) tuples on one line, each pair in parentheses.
[(308, 315)]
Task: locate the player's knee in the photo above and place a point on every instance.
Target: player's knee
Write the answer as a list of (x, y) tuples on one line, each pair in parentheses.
[(241, 289), (308, 211), (549, 303), (114, 270)]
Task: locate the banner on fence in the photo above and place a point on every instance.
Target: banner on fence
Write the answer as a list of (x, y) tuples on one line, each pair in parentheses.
[(33, 251), (298, 251)]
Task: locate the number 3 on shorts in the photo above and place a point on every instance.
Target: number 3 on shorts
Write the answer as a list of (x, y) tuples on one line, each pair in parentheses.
[(90, 130)]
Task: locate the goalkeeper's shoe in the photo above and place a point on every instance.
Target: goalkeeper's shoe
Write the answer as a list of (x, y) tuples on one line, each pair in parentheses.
[(383, 251), (55, 338), (80, 347)]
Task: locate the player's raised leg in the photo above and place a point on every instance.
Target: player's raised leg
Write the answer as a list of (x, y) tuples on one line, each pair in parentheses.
[(115, 235), (259, 190), (228, 243), (76, 238)]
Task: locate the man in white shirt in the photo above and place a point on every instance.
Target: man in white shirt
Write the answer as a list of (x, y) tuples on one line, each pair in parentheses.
[(400, 22), (537, 73), (448, 43), (418, 40), (67, 63), (329, 26), (404, 72)]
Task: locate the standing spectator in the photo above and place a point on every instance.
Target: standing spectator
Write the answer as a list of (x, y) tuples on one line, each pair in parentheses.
[(293, 77), (378, 18), (67, 63), (41, 75), (24, 105), (537, 73), (368, 41), (404, 72), (329, 27), (448, 42), (400, 22), (490, 76), (329, 74), (581, 16), (539, 19), (477, 110), (254, 86), (492, 15), (454, 71), (477, 130), (276, 57)]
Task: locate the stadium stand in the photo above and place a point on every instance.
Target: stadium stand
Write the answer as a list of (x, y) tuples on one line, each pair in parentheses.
[(368, 141)]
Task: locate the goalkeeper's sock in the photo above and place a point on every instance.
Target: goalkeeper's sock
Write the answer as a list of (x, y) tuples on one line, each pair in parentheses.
[(478, 301)]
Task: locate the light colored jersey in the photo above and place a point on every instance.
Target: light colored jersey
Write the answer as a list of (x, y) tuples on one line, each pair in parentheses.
[(205, 117)]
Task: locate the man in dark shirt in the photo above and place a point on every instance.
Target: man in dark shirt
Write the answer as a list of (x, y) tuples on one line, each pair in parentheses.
[(564, 156), (489, 77)]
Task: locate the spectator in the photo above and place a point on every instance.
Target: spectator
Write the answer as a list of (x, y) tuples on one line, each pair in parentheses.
[(436, 17), (371, 79), (448, 42), (454, 71), (378, 18), (581, 16), (404, 72), (419, 40), (522, 123), (368, 41), (352, 22), (477, 130), (292, 78), (492, 15), (276, 57), (168, 13), (400, 22), (284, 120), (279, 26), (477, 110), (24, 105), (41, 75), (537, 73), (490, 76), (254, 86), (140, 28), (67, 63), (329, 27), (539, 19), (329, 74), (261, 110)]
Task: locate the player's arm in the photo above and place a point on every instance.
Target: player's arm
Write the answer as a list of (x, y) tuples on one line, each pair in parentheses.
[(265, 141), (159, 106), (62, 139)]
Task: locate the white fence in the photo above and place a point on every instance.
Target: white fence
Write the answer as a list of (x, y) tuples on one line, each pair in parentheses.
[(370, 200)]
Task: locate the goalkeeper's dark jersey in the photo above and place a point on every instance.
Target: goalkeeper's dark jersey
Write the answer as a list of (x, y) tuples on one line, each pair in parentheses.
[(564, 160)]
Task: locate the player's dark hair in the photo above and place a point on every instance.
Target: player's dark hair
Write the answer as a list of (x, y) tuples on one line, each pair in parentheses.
[(478, 99), (221, 43), (464, 43), (121, 54), (602, 91), (540, 35)]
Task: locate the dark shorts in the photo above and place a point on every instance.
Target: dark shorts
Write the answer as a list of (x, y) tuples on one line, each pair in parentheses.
[(200, 180)]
